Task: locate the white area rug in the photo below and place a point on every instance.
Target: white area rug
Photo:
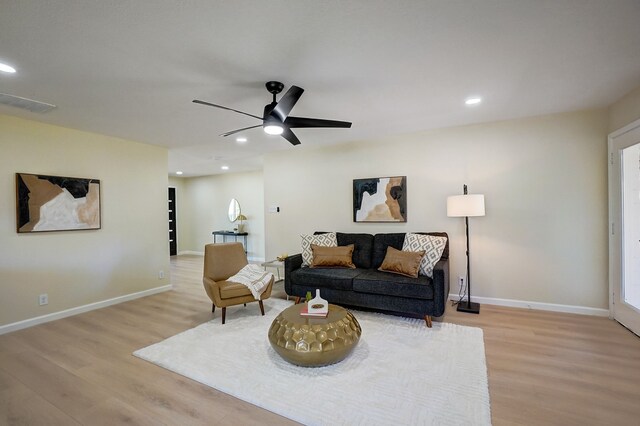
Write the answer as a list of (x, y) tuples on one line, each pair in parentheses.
[(401, 372)]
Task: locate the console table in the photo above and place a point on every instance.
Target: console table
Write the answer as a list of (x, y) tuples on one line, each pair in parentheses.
[(235, 235)]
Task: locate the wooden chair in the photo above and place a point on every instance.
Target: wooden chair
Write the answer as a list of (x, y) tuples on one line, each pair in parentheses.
[(222, 261)]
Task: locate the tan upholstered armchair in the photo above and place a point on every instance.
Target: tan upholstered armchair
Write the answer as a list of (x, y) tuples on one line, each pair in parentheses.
[(222, 261)]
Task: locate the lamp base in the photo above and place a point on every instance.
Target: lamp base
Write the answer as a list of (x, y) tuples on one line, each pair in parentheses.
[(471, 308)]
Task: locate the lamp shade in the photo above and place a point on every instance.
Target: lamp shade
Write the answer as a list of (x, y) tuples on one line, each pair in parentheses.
[(465, 205)]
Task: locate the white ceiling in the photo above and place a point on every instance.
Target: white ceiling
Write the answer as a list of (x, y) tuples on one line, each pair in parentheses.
[(131, 68)]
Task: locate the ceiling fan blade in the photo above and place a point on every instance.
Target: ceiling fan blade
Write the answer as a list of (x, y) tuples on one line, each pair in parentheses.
[(240, 130), (287, 102), (300, 122), (288, 135), (197, 101)]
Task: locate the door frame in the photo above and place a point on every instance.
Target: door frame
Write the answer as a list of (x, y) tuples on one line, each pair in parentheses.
[(617, 141)]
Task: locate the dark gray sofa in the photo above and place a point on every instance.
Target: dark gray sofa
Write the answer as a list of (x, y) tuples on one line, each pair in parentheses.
[(366, 287)]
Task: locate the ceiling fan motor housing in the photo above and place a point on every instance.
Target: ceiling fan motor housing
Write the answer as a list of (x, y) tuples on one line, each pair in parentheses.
[(268, 109)]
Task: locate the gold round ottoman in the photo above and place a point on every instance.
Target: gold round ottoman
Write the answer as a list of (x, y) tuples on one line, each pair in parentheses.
[(314, 342)]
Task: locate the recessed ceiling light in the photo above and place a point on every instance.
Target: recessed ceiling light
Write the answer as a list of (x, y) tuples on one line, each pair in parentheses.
[(7, 68), (225, 167), (241, 139), (473, 101), (178, 172)]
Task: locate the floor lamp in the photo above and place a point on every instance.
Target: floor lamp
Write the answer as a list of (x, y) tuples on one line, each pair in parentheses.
[(466, 205)]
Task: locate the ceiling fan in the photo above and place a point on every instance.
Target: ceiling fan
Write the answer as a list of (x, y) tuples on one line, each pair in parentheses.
[(276, 119)]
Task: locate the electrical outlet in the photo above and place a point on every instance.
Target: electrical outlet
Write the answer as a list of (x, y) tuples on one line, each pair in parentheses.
[(460, 283), (43, 299), (161, 274)]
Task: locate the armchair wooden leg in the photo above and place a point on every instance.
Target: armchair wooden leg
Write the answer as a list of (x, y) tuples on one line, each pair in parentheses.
[(427, 319), (298, 300), (245, 305), (224, 313), (261, 307), (213, 308)]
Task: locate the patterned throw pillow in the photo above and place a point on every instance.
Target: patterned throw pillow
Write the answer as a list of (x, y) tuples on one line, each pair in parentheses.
[(432, 246), (326, 240)]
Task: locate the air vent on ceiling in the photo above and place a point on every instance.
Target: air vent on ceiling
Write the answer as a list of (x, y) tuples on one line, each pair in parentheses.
[(24, 103)]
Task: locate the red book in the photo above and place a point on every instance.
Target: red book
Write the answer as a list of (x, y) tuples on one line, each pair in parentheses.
[(305, 313)]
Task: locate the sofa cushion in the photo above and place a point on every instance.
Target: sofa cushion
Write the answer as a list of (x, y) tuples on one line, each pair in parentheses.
[(363, 247), (445, 252), (335, 278), (405, 263), (326, 240), (376, 282), (432, 247), (229, 290), (380, 244), (336, 257), (396, 240)]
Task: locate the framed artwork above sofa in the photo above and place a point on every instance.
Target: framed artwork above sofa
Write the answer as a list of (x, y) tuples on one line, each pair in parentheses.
[(381, 199)]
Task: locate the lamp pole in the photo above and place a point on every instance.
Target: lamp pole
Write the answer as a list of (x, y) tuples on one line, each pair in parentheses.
[(473, 308)]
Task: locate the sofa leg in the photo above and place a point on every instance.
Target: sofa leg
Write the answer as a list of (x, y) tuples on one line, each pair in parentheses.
[(261, 307), (213, 308), (245, 305), (224, 314), (298, 299), (427, 319)]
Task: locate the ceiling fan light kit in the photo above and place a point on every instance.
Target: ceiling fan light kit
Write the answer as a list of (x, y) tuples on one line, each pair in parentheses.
[(276, 119), (273, 129)]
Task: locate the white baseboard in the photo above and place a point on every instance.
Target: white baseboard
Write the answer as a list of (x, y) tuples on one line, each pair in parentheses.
[(201, 253), (570, 309), (80, 309)]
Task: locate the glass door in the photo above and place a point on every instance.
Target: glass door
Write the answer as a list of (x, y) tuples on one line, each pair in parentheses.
[(631, 226), (624, 236)]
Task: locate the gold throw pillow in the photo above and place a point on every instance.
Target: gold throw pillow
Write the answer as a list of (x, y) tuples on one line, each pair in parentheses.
[(405, 263), (337, 257)]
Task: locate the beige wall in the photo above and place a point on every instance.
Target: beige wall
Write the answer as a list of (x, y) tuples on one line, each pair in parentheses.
[(544, 236), (205, 205), (626, 110), (77, 268)]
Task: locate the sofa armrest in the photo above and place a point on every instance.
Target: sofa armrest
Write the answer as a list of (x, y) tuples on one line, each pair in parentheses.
[(441, 286), (291, 263)]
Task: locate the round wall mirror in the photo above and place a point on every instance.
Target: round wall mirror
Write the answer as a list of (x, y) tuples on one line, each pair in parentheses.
[(234, 210)]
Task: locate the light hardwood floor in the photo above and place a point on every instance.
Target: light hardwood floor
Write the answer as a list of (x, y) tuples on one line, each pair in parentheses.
[(544, 368)]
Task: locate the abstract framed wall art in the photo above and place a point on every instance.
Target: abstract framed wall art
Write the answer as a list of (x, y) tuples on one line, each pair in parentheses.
[(382, 199), (56, 203)]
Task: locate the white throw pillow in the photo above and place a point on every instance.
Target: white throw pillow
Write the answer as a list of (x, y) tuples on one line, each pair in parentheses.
[(432, 246), (326, 240)]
